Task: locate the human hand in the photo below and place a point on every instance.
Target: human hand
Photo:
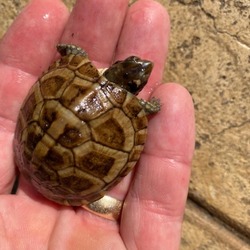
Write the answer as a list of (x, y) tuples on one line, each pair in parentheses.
[(154, 197)]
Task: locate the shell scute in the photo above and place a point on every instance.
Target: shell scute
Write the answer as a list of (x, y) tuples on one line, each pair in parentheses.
[(132, 107), (115, 94), (54, 82), (114, 130), (100, 161)]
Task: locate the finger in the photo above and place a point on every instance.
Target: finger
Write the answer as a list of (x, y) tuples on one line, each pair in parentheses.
[(7, 170), (27, 49), (145, 33), (95, 26), (156, 200), (32, 37)]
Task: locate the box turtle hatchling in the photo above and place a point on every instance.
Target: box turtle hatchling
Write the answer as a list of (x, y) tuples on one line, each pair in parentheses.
[(80, 129)]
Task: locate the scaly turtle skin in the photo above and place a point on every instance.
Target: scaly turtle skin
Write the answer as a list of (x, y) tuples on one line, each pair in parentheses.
[(79, 131)]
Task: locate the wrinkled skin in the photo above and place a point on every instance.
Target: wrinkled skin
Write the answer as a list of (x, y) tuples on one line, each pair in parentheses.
[(155, 194)]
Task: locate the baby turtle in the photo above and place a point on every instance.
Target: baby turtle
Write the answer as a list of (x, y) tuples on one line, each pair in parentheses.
[(80, 129)]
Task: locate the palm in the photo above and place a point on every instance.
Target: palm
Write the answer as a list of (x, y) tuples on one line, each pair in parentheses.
[(157, 194)]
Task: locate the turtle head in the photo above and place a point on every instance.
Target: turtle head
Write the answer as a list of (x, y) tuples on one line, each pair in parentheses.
[(131, 74)]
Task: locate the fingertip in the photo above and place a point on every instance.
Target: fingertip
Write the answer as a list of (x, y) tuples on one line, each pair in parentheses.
[(175, 94), (146, 22), (148, 9), (28, 43), (95, 26)]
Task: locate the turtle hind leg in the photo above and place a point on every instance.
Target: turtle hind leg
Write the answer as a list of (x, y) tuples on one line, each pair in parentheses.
[(67, 49), (152, 106)]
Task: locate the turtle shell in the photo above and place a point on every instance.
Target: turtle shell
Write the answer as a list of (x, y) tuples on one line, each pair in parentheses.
[(77, 133)]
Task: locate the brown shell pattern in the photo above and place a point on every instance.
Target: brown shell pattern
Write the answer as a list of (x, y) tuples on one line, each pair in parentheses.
[(78, 134)]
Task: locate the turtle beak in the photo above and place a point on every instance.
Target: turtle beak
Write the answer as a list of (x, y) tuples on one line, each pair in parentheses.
[(141, 71), (145, 71)]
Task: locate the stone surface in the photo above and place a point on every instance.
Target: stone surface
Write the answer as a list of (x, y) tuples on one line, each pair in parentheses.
[(203, 231), (8, 11), (210, 56)]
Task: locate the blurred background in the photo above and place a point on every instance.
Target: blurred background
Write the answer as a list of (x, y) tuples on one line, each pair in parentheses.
[(209, 54)]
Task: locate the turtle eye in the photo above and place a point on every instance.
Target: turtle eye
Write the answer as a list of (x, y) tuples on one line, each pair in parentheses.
[(125, 75)]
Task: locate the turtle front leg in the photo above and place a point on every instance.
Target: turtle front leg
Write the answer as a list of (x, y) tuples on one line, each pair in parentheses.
[(67, 49), (152, 106)]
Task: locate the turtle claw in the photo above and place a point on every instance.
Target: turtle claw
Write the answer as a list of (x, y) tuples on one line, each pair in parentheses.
[(152, 106), (67, 49)]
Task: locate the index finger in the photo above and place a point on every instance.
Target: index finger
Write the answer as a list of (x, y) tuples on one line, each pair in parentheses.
[(95, 26)]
